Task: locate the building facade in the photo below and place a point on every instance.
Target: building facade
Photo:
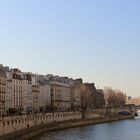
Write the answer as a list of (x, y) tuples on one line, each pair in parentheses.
[(35, 98), (61, 96), (8, 96), (2, 91)]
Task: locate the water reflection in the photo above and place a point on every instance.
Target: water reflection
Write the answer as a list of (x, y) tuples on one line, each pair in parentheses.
[(121, 130)]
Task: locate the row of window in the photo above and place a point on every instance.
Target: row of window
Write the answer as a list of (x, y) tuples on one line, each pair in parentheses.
[(2, 98), (2, 89), (2, 82)]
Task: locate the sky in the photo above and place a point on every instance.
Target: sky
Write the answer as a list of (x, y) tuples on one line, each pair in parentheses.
[(97, 40)]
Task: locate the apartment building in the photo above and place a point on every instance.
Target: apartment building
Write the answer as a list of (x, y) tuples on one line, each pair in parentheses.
[(2, 91), (61, 96), (35, 98), (21, 91), (27, 95), (8, 96)]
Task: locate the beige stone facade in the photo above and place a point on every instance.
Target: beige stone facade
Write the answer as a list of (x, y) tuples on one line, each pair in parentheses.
[(76, 96), (35, 103), (23, 92), (135, 101), (44, 97), (2, 91), (61, 95), (8, 97)]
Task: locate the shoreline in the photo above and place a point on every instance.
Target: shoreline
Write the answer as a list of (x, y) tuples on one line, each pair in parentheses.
[(36, 131)]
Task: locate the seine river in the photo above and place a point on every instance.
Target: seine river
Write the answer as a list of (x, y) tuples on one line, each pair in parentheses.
[(121, 130)]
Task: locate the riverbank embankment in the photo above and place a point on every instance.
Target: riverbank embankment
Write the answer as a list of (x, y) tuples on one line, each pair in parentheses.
[(25, 127), (35, 131)]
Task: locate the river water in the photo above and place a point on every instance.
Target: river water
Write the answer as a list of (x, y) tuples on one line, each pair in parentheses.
[(120, 130)]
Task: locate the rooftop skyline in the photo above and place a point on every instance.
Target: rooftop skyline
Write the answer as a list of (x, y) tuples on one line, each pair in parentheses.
[(95, 40)]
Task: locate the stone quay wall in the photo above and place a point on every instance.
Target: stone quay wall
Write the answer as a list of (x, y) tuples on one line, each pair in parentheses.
[(17, 123), (33, 132), (27, 126)]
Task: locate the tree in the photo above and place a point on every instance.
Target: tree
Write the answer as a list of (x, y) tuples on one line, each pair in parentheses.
[(120, 96), (114, 97)]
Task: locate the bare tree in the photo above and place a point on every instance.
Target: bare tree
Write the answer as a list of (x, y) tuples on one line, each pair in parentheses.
[(120, 96), (114, 97)]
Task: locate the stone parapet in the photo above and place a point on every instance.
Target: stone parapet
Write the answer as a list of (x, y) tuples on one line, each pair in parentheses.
[(16, 123)]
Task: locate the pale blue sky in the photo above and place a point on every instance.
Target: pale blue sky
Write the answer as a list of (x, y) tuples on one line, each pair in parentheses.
[(98, 40)]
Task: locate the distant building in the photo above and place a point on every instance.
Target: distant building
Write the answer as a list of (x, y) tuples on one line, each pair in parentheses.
[(18, 92), (135, 101), (87, 96), (76, 96), (9, 89), (2, 90), (44, 97), (35, 98), (8, 96), (22, 92), (41, 93), (61, 96), (100, 100), (83, 95)]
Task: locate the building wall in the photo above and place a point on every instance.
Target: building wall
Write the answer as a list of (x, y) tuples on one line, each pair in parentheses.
[(8, 97), (17, 94), (88, 95), (35, 97), (2, 91), (48, 94), (44, 96), (135, 101), (76, 95), (62, 96), (100, 99), (27, 96)]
